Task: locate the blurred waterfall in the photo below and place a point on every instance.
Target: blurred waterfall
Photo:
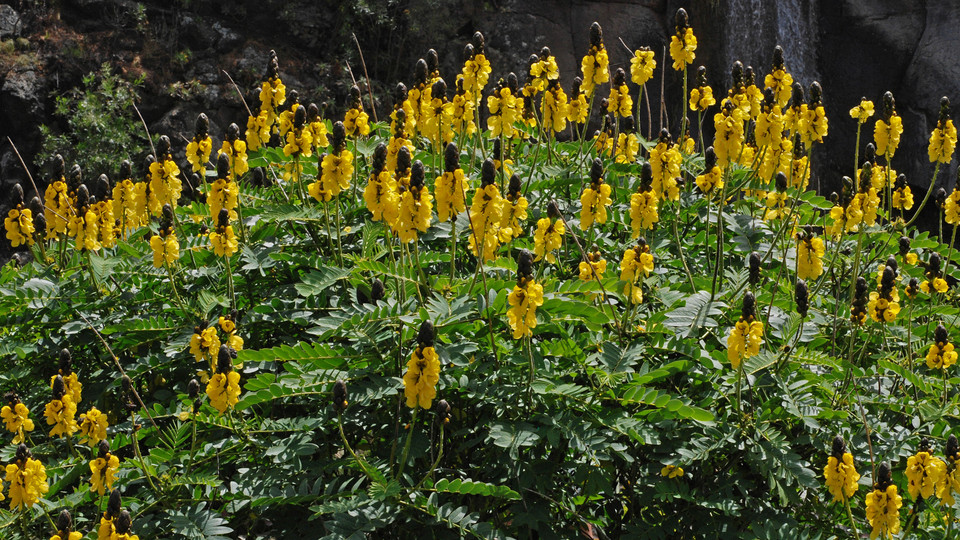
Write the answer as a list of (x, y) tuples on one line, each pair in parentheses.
[(754, 27)]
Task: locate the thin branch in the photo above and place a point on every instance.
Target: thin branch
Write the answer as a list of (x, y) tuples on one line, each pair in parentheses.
[(373, 107)]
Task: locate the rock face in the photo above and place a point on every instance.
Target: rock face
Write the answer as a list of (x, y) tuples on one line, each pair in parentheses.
[(10, 23), (855, 48)]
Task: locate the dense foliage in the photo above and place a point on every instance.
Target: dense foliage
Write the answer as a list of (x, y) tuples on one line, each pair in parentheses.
[(422, 328)]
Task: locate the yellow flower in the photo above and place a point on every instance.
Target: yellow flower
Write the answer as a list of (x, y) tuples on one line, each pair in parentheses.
[(420, 380), (19, 226), (224, 390), (381, 197), (205, 344), (165, 184), (103, 472), (588, 268), (57, 208), (61, 413), (710, 181), (555, 108), (594, 201), (356, 121), (883, 511), (334, 178), (476, 73), (862, 112), (224, 241), (782, 84), (485, 215), (415, 208), (548, 238), (84, 227), (165, 249), (924, 474), (224, 193), (943, 140), (299, 141), (450, 193), (903, 198), (258, 130), (701, 98), (93, 426), (504, 112), (665, 162), (939, 285), (809, 254), (628, 146), (941, 356), (28, 482), (237, 152), (595, 68), (512, 211), (526, 296), (728, 140), (637, 262), (671, 471), (682, 49), (577, 108), (841, 476), (744, 341), (886, 135), (641, 66), (198, 153), (643, 212), (769, 130), (17, 420), (620, 101)]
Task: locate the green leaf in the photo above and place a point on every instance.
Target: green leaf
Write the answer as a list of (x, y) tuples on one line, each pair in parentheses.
[(469, 487), (698, 312), (320, 280)]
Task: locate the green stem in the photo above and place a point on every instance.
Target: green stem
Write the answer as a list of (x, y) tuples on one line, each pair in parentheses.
[(233, 299), (136, 449), (676, 239), (436, 462), (933, 182), (853, 523), (406, 445)]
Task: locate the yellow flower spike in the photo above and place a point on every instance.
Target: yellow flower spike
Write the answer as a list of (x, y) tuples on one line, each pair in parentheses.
[(862, 112), (27, 478), (16, 418), (746, 336), (683, 43), (93, 426), (223, 389), (103, 469), (526, 297), (810, 251), (943, 138), (840, 473), (642, 65), (420, 380), (888, 128), (671, 471), (416, 205), (941, 354)]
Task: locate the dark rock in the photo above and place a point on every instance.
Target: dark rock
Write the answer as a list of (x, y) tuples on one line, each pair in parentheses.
[(21, 101), (10, 23)]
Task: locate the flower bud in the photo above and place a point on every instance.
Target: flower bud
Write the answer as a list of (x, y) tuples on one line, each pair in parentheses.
[(596, 35), (64, 523), (524, 264), (940, 334), (103, 448), (596, 170), (748, 310), (426, 334), (377, 290), (802, 297), (443, 412), (403, 160), (416, 175), (753, 263), (225, 359), (451, 158), (340, 396), (193, 388), (59, 388), (123, 523), (379, 161), (114, 504), (839, 447), (953, 448)]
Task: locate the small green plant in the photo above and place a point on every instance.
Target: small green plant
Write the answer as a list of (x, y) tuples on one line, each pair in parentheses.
[(97, 120)]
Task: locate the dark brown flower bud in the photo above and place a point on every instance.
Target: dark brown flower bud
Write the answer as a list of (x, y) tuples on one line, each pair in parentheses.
[(709, 159), (123, 523), (681, 20), (300, 117), (596, 35), (379, 161), (163, 146), (889, 106), (702, 76), (883, 477), (426, 334), (513, 188), (420, 72), (802, 297), (748, 310), (524, 265), (816, 94), (488, 172), (596, 171), (193, 388), (126, 384), (512, 83), (433, 61), (753, 263), (839, 447), (377, 290), (114, 504), (403, 160), (953, 448), (83, 197), (64, 523), (941, 197), (443, 412), (468, 52), (940, 334), (451, 158), (478, 42), (417, 173), (339, 396), (904, 245), (553, 211), (223, 218), (65, 362), (225, 358), (646, 175), (23, 454), (103, 448), (778, 57), (59, 388), (338, 137)]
